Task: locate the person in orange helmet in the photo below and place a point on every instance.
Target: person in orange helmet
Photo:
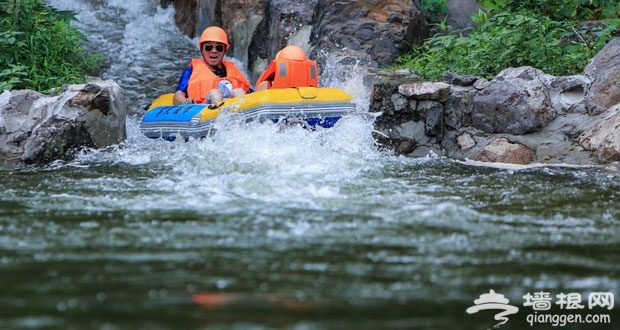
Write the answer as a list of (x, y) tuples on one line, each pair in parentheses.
[(211, 79), (290, 68)]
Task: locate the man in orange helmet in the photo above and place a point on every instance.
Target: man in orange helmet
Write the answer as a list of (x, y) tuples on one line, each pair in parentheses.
[(290, 68), (210, 79)]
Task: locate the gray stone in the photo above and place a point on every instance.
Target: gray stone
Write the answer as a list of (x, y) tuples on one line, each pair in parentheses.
[(567, 93), (465, 141), (460, 13), (400, 102), (604, 72), (376, 32), (503, 151), (38, 129), (437, 91), (454, 79), (516, 102), (432, 112), (604, 138)]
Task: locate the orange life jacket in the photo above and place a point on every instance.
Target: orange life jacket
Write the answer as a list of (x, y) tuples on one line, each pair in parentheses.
[(287, 73), (204, 80)]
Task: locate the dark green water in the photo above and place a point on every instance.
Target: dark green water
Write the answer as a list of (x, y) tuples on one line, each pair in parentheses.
[(225, 234), (259, 228)]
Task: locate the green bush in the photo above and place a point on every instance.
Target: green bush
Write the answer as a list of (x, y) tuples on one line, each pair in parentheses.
[(558, 10), (433, 9), (513, 37), (39, 49)]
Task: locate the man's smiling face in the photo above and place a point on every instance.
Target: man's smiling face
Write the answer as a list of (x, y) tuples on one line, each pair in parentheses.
[(213, 53)]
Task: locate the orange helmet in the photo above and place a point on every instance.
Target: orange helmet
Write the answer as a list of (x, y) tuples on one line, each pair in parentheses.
[(215, 34), (292, 53)]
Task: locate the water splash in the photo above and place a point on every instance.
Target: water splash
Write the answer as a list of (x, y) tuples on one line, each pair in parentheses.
[(145, 51), (263, 161), (255, 161), (347, 77)]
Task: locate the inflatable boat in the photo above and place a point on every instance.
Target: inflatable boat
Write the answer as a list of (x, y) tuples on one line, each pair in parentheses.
[(309, 106)]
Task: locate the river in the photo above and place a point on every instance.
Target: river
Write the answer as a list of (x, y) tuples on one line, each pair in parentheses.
[(264, 228)]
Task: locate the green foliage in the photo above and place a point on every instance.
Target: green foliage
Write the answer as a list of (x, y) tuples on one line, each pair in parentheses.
[(517, 37), (432, 9), (559, 10), (39, 49)]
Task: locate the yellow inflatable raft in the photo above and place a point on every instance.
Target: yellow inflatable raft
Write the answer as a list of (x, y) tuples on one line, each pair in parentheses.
[(311, 106)]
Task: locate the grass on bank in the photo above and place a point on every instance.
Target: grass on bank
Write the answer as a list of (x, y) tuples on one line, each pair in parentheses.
[(39, 49), (551, 35)]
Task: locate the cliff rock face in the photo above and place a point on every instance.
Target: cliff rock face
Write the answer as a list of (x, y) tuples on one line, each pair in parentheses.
[(376, 32), (185, 15), (38, 129), (371, 31)]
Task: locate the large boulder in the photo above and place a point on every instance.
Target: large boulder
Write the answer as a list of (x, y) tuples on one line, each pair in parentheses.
[(604, 72), (38, 129), (604, 138), (515, 102)]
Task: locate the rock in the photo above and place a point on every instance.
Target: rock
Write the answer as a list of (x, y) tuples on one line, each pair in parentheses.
[(503, 151), (604, 72), (465, 141), (38, 129), (460, 13), (454, 79), (457, 109), (432, 114), (567, 93), (515, 102), (381, 98), (436, 91), (604, 138), (406, 147), (240, 19), (375, 32), (185, 15)]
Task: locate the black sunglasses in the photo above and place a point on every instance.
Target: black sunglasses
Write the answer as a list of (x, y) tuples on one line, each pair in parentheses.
[(209, 47)]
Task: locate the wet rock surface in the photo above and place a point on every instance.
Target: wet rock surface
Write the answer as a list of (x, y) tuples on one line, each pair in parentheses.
[(372, 32), (521, 116), (39, 129)]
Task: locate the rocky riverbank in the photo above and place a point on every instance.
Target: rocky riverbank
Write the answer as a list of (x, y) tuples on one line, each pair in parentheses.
[(521, 116)]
